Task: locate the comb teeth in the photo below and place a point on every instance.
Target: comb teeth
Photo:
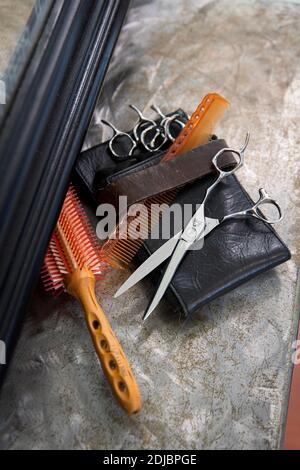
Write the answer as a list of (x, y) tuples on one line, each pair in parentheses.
[(73, 245), (119, 252)]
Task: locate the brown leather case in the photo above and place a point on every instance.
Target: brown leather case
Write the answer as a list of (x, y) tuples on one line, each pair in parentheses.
[(141, 181)]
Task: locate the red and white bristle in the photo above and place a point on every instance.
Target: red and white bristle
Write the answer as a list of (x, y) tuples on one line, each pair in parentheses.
[(81, 241)]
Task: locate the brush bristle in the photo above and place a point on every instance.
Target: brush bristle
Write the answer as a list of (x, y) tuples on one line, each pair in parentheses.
[(73, 245)]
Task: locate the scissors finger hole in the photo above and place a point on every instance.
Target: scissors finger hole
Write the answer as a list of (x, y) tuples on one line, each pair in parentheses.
[(220, 159), (153, 137), (140, 128), (269, 211), (122, 145), (173, 128)]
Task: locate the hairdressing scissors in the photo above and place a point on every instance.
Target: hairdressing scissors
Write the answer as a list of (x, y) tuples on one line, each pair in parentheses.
[(196, 230), (147, 127), (166, 121), (113, 142), (141, 124), (156, 135)]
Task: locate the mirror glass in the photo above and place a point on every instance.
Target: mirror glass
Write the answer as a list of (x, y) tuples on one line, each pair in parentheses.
[(20, 23)]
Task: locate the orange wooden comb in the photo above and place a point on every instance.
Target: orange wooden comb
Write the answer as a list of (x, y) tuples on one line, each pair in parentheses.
[(71, 264), (119, 252), (200, 127)]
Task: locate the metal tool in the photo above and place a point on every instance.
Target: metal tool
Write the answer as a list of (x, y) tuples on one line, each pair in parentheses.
[(141, 124), (150, 134), (196, 230), (113, 141), (157, 137), (166, 121), (153, 137)]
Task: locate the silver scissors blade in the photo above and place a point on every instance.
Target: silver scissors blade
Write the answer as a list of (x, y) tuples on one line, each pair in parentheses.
[(158, 257), (178, 254), (210, 224), (182, 247)]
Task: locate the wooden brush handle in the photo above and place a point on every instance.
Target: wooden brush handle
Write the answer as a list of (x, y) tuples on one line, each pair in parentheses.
[(81, 284)]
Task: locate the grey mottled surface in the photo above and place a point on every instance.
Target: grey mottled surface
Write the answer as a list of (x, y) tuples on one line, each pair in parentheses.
[(220, 379), (13, 17)]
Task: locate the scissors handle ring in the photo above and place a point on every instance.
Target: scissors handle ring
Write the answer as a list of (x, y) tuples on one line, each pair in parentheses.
[(140, 127), (239, 163), (116, 135), (265, 199), (254, 211), (151, 146), (167, 121), (115, 153), (142, 123), (238, 153)]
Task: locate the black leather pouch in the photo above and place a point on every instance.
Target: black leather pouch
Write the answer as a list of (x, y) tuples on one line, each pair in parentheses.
[(233, 253), (95, 166)]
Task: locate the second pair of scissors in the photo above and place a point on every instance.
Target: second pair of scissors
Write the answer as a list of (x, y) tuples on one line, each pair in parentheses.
[(150, 134), (195, 231)]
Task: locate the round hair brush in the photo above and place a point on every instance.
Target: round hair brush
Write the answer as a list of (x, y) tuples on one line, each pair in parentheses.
[(71, 264)]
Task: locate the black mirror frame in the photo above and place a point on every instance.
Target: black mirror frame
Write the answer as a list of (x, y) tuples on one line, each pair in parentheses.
[(41, 134)]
